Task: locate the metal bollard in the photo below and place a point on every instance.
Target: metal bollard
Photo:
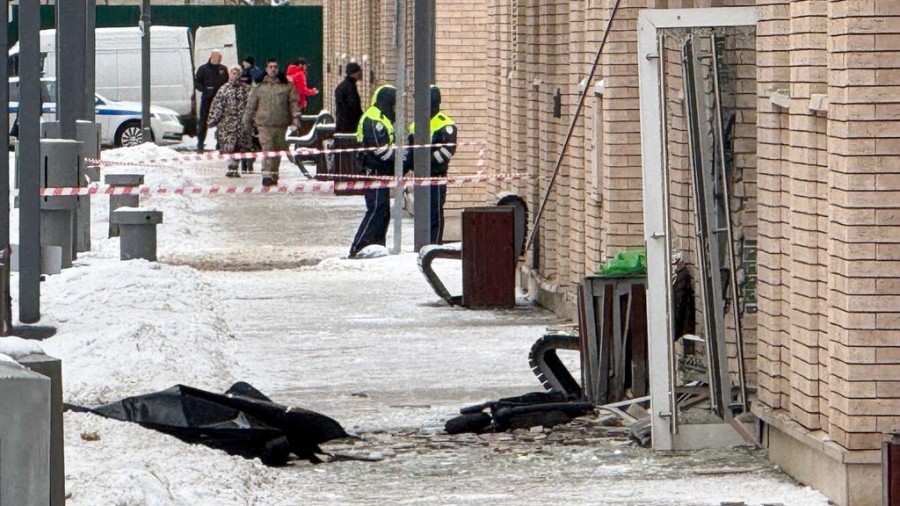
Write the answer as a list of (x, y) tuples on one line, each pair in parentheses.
[(137, 229), (890, 469), (117, 201)]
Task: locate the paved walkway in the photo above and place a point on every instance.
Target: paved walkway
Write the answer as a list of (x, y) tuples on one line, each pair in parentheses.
[(368, 343)]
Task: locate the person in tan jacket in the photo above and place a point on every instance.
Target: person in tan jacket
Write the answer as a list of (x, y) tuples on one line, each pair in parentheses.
[(272, 107)]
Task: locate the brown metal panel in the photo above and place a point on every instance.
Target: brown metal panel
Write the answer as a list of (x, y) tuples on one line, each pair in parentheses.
[(587, 365), (605, 301), (890, 463), (345, 163), (638, 336), (591, 333), (489, 257)]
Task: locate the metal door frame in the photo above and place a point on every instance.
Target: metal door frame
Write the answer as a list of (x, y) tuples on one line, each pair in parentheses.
[(667, 433)]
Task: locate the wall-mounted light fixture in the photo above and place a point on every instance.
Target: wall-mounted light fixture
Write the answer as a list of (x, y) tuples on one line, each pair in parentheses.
[(557, 103)]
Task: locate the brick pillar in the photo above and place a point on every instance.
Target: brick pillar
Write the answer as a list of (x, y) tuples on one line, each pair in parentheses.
[(807, 163), (579, 56), (773, 62), (864, 200), (622, 216)]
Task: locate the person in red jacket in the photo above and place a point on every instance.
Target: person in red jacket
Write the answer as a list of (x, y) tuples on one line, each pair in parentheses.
[(296, 72)]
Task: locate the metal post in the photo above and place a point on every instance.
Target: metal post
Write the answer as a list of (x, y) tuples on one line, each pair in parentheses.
[(726, 210), (145, 70), (400, 122), (70, 24), (424, 77), (90, 60), (29, 161), (5, 300), (672, 407)]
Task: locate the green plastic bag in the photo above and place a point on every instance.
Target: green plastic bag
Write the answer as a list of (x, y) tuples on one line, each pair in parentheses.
[(626, 263)]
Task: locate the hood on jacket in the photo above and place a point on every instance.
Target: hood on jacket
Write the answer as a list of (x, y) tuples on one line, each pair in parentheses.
[(292, 69), (435, 100), (385, 99)]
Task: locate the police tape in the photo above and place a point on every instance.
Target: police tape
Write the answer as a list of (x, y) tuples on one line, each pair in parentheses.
[(301, 152), (300, 187)]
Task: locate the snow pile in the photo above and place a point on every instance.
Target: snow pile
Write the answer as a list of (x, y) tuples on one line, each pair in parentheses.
[(132, 327), (13, 348)]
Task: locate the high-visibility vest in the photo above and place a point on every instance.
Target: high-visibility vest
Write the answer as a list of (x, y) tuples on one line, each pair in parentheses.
[(375, 114), (438, 121)]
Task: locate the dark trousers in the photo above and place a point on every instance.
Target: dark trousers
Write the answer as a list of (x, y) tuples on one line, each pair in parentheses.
[(205, 103), (438, 197), (373, 229)]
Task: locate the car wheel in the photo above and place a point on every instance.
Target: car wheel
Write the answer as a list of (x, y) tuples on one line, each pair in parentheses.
[(129, 134)]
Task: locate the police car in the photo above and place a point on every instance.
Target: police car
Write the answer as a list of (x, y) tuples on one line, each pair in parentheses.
[(120, 122)]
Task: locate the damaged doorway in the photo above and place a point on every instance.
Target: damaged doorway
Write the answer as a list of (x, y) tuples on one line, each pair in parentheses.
[(698, 127)]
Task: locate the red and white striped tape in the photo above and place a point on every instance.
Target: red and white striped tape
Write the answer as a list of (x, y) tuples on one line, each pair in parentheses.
[(293, 188), (479, 164), (216, 156)]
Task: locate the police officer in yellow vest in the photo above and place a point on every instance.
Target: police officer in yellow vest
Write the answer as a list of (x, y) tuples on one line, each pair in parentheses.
[(376, 130), (443, 131)]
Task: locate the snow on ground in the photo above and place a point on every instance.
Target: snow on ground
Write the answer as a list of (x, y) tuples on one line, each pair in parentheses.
[(255, 288)]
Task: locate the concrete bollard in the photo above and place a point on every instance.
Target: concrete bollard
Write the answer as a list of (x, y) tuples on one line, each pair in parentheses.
[(58, 225), (60, 166), (24, 436), (52, 368), (88, 133), (92, 173), (117, 201), (137, 229)]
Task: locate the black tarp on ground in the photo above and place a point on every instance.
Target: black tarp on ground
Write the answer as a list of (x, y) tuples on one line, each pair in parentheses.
[(242, 421)]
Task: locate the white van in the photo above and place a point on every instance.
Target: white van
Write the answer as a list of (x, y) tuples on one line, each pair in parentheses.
[(172, 63)]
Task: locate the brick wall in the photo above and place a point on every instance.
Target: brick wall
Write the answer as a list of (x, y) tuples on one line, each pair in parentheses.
[(593, 210), (828, 326), (863, 286)]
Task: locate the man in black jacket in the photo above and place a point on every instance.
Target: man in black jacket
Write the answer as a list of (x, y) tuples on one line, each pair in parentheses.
[(251, 73), (347, 104), (210, 77)]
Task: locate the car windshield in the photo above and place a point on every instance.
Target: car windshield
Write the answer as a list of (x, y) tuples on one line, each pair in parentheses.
[(48, 91)]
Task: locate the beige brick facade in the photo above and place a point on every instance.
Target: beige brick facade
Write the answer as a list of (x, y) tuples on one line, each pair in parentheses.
[(822, 352)]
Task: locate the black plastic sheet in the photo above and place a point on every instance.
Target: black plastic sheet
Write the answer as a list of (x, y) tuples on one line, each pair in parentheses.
[(242, 421)]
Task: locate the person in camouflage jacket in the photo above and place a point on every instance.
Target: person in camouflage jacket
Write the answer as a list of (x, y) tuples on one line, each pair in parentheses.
[(226, 114), (271, 108)]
